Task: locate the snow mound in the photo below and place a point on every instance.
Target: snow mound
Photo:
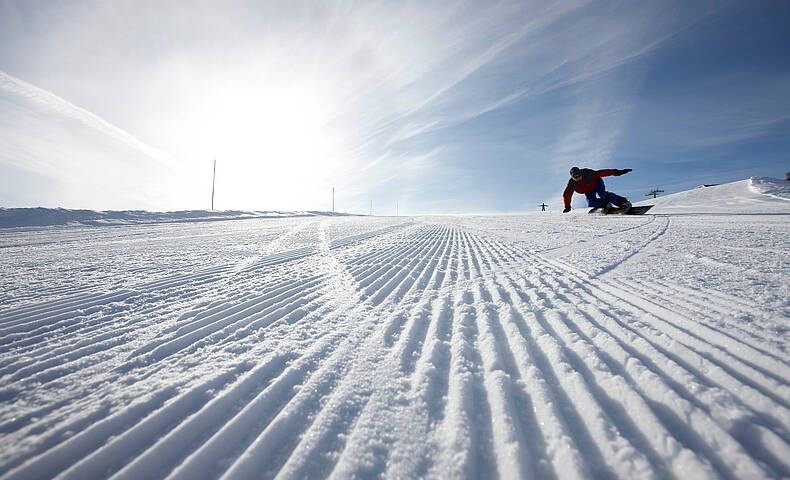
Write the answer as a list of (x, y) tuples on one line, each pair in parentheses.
[(771, 186), (751, 196), (39, 217)]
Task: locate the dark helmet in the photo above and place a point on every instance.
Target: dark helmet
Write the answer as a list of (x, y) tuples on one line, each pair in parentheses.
[(575, 172)]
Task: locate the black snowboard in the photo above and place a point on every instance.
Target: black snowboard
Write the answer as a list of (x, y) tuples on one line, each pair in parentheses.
[(616, 211)]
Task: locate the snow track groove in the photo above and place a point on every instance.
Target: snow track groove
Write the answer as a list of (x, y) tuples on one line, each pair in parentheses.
[(375, 348), (741, 464), (711, 374)]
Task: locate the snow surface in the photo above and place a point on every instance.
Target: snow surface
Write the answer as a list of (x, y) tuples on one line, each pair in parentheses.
[(37, 217), (736, 197), (540, 345)]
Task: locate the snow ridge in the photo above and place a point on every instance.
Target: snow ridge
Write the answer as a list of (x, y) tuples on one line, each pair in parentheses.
[(37, 217)]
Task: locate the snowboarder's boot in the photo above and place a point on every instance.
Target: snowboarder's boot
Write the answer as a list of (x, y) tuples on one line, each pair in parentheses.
[(625, 206), (606, 207)]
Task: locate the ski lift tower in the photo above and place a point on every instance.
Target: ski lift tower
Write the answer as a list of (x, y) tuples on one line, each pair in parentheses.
[(654, 192)]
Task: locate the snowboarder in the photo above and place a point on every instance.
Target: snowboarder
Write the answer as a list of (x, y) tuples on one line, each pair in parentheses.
[(589, 182)]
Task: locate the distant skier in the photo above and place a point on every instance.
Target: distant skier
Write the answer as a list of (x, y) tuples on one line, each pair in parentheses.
[(589, 182)]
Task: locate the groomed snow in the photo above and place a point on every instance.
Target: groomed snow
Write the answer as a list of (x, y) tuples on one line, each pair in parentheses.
[(540, 345)]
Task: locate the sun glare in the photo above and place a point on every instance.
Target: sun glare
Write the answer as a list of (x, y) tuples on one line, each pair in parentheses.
[(273, 143)]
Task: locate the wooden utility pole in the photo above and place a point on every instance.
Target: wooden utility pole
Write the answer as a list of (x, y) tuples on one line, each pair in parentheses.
[(543, 207), (213, 180)]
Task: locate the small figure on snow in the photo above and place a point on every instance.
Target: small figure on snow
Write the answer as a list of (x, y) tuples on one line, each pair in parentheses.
[(589, 182), (543, 207)]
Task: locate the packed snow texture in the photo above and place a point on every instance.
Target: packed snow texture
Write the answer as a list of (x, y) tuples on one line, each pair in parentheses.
[(38, 217), (540, 345)]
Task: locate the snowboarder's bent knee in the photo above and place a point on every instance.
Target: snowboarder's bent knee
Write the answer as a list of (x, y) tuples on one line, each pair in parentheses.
[(590, 183)]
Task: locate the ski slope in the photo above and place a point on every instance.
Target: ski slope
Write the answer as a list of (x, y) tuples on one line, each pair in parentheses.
[(754, 195), (515, 346)]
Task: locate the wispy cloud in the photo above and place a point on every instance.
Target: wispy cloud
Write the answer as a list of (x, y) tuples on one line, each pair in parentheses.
[(55, 104), (82, 156), (525, 53), (713, 116)]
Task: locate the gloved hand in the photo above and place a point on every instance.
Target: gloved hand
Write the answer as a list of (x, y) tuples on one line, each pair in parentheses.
[(622, 172), (567, 209)]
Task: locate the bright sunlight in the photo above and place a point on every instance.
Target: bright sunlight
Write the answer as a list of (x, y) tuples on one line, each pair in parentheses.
[(272, 138)]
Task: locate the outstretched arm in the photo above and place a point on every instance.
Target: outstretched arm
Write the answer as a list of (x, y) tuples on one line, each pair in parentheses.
[(608, 172)]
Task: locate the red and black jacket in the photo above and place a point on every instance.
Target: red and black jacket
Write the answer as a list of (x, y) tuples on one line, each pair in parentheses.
[(586, 184)]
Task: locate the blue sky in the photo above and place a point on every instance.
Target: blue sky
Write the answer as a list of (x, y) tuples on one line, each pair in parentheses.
[(439, 107)]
